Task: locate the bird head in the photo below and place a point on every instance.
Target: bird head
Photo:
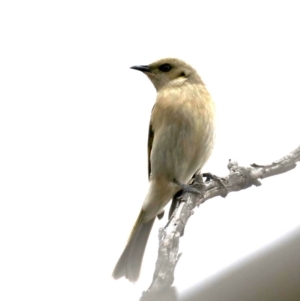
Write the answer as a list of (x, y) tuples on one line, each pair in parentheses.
[(169, 72)]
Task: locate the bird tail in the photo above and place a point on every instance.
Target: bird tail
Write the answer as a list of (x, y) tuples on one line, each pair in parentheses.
[(129, 264)]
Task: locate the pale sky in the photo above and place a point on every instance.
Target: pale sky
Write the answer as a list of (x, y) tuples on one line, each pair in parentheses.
[(73, 136)]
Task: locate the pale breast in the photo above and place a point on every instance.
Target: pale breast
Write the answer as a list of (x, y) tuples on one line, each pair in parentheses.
[(183, 124)]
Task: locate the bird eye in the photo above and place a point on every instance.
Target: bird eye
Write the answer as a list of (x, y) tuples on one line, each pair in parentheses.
[(165, 68)]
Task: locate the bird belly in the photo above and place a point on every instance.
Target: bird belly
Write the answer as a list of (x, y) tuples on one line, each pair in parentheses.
[(180, 148)]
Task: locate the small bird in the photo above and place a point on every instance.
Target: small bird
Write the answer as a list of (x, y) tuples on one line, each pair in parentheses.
[(181, 135)]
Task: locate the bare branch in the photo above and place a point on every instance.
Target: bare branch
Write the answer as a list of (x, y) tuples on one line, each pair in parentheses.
[(239, 178)]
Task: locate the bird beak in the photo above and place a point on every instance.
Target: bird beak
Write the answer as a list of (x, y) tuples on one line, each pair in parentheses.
[(142, 68)]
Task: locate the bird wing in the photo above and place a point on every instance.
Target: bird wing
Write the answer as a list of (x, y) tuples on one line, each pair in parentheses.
[(150, 142)]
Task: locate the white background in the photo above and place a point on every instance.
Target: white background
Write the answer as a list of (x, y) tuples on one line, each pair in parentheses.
[(73, 134)]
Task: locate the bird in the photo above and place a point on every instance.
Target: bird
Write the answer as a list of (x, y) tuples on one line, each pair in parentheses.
[(180, 140)]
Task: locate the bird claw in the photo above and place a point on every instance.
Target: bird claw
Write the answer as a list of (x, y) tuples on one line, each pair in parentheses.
[(209, 176), (187, 188), (178, 197)]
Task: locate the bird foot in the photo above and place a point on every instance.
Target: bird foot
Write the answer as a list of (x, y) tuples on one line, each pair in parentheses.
[(209, 176), (177, 198), (187, 188)]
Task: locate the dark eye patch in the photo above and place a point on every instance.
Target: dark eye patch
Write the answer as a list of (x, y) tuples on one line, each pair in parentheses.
[(165, 67)]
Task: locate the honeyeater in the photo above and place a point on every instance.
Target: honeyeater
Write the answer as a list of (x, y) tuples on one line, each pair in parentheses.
[(181, 135)]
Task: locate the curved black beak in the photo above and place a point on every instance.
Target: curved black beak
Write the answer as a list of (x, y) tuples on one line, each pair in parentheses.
[(143, 68)]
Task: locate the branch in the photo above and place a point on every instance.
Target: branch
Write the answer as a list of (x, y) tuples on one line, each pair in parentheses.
[(239, 178)]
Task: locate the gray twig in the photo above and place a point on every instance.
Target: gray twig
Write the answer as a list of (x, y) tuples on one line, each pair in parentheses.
[(239, 178)]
